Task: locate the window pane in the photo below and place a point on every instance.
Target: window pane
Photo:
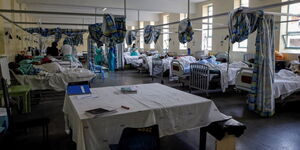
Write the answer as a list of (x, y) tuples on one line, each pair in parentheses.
[(207, 28), (243, 44), (244, 3), (142, 35), (166, 32), (292, 37)]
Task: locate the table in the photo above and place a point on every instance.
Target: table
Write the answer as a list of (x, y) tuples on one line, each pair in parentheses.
[(173, 110), (21, 91)]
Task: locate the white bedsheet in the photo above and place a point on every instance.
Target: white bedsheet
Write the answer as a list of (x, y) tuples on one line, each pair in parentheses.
[(286, 82), (173, 110), (133, 60), (67, 64), (55, 81)]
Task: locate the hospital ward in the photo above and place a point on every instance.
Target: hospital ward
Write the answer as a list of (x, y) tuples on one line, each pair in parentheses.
[(150, 74)]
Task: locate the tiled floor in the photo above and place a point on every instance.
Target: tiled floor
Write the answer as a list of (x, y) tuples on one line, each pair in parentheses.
[(281, 132)]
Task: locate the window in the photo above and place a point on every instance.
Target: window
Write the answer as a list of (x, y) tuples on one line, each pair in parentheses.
[(241, 3), (166, 36), (207, 28), (291, 30), (141, 35), (152, 45), (183, 46), (244, 3), (242, 46)]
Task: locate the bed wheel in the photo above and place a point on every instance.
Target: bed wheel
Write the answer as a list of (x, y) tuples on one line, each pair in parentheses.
[(162, 81)]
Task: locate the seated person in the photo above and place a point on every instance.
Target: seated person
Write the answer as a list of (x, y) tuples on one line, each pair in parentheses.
[(53, 50), (23, 69)]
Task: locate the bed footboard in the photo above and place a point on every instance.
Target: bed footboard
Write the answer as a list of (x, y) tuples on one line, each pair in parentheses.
[(200, 78)]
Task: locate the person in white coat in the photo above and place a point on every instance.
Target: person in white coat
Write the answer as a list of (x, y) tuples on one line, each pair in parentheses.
[(67, 51)]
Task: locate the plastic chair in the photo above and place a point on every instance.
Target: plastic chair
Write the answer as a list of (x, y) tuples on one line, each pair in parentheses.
[(22, 91), (97, 69)]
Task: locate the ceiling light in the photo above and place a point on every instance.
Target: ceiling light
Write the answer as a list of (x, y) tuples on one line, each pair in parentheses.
[(104, 9)]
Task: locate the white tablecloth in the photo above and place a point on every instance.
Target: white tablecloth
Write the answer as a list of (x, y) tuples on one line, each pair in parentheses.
[(173, 110)]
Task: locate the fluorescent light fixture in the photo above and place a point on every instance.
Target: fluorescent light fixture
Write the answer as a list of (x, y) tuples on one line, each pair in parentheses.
[(104, 9)]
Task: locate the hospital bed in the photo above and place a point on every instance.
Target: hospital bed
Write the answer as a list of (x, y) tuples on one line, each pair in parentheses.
[(210, 78), (160, 66), (132, 60), (285, 82), (54, 80), (181, 67), (201, 78), (179, 70)]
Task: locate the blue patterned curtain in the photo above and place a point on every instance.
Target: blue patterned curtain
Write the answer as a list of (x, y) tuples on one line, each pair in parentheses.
[(185, 31), (96, 33), (242, 23)]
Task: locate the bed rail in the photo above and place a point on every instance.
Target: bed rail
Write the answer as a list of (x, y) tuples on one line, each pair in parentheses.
[(200, 78), (244, 79)]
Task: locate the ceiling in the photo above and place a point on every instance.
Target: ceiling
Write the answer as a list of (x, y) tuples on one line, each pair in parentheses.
[(149, 10)]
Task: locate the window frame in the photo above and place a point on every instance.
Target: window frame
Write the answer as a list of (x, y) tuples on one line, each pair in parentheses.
[(287, 32), (207, 22)]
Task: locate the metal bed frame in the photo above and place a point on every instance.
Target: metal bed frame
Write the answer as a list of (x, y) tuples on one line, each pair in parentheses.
[(158, 69), (200, 79), (144, 66), (178, 70)]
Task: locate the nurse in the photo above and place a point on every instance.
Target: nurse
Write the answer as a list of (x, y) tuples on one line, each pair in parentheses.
[(67, 51)]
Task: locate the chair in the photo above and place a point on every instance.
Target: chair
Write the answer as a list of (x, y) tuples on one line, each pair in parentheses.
[(97, 69), (25, 121), (22, 91), (138, 139)]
